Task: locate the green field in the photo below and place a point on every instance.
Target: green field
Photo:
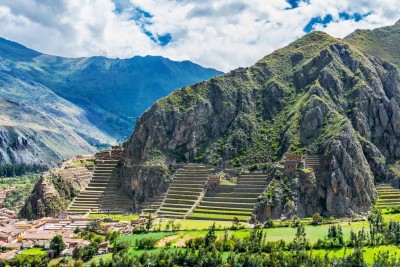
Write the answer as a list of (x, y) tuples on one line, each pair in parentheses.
[(117, 217), (193, 224), (132, 238), (369, 252), (34, 251)]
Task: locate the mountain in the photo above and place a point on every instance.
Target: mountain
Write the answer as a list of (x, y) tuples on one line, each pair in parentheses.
[(54, 107), (334, 99)]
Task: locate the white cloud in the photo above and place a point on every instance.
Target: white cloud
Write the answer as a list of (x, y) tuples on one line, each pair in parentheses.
[(224, 34)]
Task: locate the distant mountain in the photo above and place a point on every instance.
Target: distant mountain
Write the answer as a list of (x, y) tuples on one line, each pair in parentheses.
[(53, 107)]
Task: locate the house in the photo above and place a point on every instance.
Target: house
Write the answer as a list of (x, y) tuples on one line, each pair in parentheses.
[(291, 165), (67, 252), (213, 182), (8, 234), (8, 213), (72, 242), (27, 244), (293, 162), (39, 238), (8, 255)]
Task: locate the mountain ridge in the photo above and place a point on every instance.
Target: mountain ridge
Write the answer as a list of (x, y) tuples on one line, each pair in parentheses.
[(319, 95), (96, 98)]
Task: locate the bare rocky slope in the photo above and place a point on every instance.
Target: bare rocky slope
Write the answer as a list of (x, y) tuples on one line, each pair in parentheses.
[(338, 99)]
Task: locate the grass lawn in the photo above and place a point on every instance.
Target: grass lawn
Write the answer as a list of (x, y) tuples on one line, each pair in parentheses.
[(369, 252), (194, 224), (391, 217), (117, 217), (134, 252), (34, 251), (132, 238)]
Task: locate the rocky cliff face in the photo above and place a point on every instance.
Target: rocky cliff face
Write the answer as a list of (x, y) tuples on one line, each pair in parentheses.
[(319, 95), (55, 190)]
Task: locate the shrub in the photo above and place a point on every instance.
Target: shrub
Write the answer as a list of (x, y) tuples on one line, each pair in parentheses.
[(146, 243), (316, 218)]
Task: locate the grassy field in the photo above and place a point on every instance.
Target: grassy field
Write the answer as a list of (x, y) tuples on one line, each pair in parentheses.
[(117, 217), (132, 238), (34, 251), (369, 252), (193, 224)]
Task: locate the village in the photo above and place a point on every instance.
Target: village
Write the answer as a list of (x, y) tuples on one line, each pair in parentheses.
[(17, 236)]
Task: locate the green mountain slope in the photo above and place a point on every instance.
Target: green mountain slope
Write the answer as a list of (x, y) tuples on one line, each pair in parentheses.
[(91, 102), (319, 95), (381, 43)]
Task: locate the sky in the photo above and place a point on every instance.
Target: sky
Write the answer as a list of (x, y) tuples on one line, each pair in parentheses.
[(222, 34)]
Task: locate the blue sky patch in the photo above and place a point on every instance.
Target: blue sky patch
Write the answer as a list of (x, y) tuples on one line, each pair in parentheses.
[(324, 21), (121, 5), (355, 16), (295, 3), (317, 20), (143, 13), (165, 39)]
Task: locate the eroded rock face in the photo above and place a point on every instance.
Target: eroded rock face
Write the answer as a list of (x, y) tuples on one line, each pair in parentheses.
[(54, 192), (329, 100), (144, 182)]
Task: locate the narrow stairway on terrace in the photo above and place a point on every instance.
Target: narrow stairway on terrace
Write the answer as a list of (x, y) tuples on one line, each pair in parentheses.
[(389, 197), (313, 162), (186, 188), (102, 193), (232, 201)]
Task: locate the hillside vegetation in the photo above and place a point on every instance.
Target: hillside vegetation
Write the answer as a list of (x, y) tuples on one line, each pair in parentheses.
[(337, 99)]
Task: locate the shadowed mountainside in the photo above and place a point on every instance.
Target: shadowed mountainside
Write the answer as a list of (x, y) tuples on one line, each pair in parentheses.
[(54, 107)]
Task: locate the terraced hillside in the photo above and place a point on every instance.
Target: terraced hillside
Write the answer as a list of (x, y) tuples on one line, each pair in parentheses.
[(102, 192), (152, 205), (238, 203), (313, 162), (389, 196), (186, 189)]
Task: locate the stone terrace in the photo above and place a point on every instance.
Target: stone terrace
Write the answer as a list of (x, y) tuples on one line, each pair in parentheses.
[(238, 203), (186, 189)]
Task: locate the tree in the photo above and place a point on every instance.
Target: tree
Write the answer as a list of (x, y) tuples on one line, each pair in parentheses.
[(210, 236), (57, 245), (149, 223), (77, 253), (77, 230), (300, 242), (316, 218), (89, 251), (375, 219), (235, 223), (93, 226)]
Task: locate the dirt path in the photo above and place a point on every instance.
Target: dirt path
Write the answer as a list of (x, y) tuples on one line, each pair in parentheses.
[(182, 241), (165, 240)]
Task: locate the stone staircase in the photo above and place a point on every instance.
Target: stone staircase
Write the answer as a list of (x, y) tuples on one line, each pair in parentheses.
[(102, 193), (184, 191), (389, 197), (313, 162), (152, 205), (239, 202)]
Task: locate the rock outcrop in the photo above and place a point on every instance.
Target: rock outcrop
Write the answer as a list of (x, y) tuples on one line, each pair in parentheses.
[(319, 95), (55, 190)]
